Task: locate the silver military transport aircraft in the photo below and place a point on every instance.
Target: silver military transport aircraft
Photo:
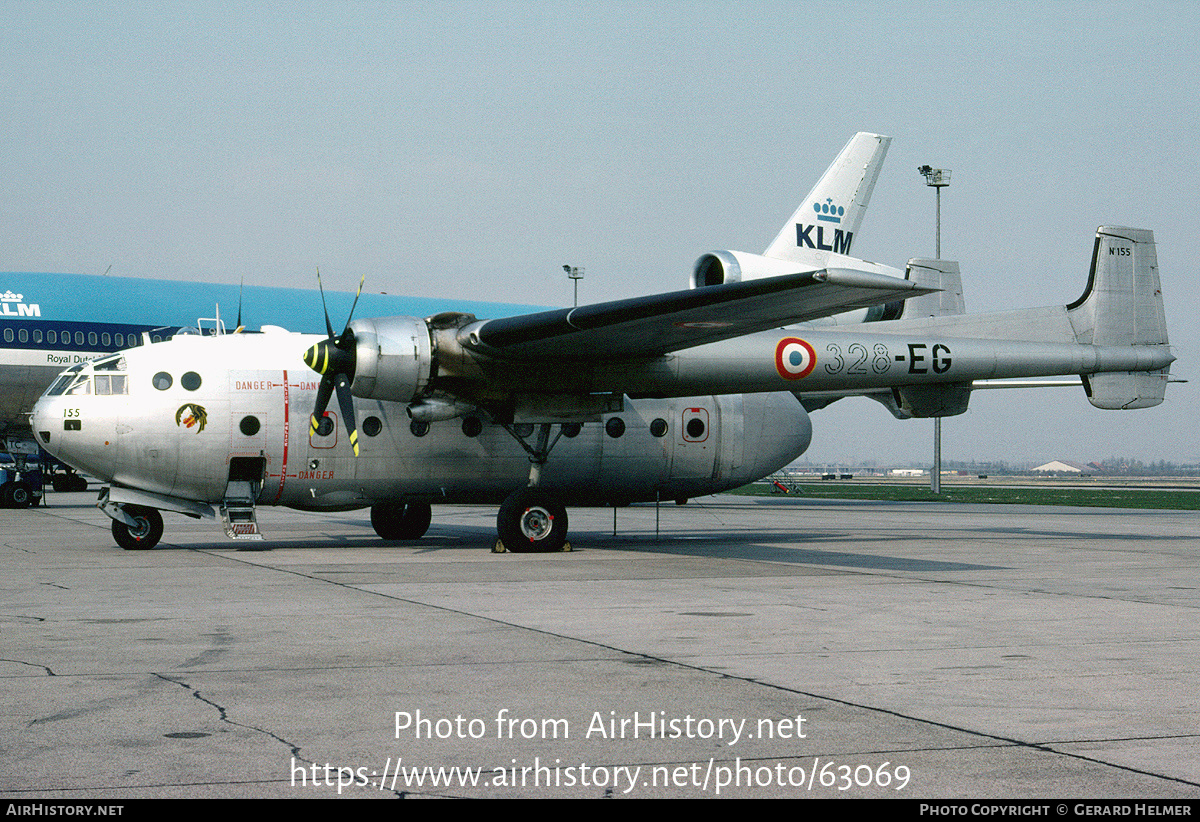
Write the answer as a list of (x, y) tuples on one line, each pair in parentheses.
[(669, 396)]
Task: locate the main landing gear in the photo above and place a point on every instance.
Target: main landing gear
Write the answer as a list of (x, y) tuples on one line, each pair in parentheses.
[(144, 533), (401, 520), (532, 520)]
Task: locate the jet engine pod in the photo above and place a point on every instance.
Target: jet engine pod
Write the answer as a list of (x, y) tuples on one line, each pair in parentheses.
[(393, 358), (717, 267)]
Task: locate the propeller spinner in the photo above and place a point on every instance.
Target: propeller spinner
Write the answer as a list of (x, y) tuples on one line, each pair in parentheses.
[(334, 360)]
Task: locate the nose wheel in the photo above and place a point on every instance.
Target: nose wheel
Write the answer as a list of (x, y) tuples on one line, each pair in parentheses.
[(532, 521)]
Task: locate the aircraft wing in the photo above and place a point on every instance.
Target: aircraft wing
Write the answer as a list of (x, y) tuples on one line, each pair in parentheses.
[(651, 326)]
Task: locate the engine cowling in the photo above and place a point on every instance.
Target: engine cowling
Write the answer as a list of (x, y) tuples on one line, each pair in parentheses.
[(393, 358), (717, 267)]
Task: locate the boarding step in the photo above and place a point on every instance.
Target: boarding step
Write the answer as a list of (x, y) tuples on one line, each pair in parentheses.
[(237, 511)]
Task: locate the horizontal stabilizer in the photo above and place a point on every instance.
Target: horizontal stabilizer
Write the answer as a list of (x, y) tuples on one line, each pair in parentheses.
[(1126, 389)]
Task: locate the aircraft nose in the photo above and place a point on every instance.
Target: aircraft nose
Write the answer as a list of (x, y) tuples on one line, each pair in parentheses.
[(39, 421)]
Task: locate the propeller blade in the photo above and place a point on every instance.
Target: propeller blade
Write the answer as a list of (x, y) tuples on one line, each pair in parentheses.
[(346, 403), (324, 390), (342, 339), (328, 325), (241, 288)]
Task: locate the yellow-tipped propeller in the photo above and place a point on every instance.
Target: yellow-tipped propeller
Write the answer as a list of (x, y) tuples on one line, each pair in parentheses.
[(334, 360)]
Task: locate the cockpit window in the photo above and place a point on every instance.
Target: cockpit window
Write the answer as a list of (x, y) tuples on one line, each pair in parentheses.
[(59, 385), (107, 384), (81, 386), (116, 363)]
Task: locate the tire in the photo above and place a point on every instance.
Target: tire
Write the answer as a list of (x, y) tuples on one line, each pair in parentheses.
[(532, 522), (145, 535), (18, 495), (404, 520)]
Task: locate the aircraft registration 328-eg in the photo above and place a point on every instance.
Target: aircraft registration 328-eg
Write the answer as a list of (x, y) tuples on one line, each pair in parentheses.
[(669, 396)]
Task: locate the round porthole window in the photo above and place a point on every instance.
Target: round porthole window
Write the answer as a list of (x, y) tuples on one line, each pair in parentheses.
[(615, 427), (190, 381), (372, 426), (162, 381), (658, 427), (249, 426)]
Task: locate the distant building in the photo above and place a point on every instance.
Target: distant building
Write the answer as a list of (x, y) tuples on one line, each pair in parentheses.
[(1060, 467), (906, 472)]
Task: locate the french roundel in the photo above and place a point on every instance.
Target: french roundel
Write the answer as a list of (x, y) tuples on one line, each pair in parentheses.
[(794, 358)]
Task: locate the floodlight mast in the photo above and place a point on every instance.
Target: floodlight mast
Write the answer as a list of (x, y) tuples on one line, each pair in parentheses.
[(937, 179), (576, 274)]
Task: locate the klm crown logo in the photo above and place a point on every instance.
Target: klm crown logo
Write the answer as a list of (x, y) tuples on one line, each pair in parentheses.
[(12, 305), (828, 212)]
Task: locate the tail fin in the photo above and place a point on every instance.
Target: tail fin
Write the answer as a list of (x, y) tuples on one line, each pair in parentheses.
[(943, 275), (832, 212), (1122, 305)]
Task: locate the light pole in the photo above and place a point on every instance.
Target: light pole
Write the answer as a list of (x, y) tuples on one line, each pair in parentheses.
[(937, 179), (576, 274)]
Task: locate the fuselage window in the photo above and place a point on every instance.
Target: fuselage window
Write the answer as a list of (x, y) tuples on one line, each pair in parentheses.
[(8, 335), (162, 380), (418, 428), (372, 426), (106, 339), (249, 426), (695, 428), (570, 430), (37, 336), (79, 338), (93, 340), (615, 427), (325, 426), (658, 427), (190, 380), (472, 426), (52, 337), (120, 339), (23, 335)]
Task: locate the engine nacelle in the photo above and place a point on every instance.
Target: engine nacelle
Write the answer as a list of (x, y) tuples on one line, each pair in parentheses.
[(717, 267), (393, 358)]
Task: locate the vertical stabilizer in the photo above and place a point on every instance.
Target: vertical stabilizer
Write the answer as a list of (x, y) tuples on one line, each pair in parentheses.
[(1123, 302), (832, 212), (943, 275), (1122, 305)]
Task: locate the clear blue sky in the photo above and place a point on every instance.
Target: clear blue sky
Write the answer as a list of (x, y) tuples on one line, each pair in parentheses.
[(472, 149)]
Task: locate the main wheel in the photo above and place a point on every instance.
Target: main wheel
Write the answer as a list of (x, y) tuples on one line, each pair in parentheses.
[(146, 532), (405, 520), (532, 521)]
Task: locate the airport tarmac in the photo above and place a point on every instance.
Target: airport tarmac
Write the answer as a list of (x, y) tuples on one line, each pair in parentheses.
[(758, 647)]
